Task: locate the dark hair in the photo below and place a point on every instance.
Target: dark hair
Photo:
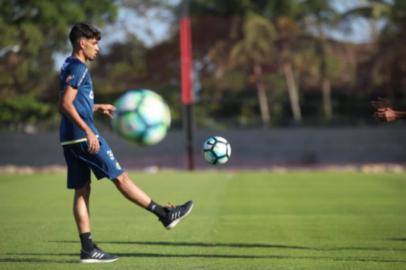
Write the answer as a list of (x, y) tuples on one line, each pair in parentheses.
[(83, 30)]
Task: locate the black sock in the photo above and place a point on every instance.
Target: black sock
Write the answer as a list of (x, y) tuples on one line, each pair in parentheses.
[(86, 241), (158, 210)]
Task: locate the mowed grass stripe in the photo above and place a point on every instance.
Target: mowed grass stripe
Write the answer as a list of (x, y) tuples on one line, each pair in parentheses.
[(241, 220)]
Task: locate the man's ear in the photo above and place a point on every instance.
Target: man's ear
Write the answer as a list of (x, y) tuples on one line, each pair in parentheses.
[(82, 43)]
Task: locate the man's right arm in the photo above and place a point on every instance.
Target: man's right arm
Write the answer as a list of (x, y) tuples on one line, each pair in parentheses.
[(401, 114), (389, 115), (67, 108), (385, 112)]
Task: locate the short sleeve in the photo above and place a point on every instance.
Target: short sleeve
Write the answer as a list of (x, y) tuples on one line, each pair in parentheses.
[(76, 75)]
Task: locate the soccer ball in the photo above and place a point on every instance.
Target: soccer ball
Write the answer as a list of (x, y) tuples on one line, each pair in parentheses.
[(216, 150), (141, 116)]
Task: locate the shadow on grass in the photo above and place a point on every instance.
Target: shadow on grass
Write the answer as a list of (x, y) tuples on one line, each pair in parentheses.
[(397, 239), (33, 260), (194, 256), (239, 245), (194, 244), (250, 257)]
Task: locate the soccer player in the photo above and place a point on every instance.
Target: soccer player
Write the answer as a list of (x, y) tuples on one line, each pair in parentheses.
[(385, 112), (85, 150)]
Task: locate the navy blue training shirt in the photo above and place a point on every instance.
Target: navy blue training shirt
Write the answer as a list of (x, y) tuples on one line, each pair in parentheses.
[(75, 73)]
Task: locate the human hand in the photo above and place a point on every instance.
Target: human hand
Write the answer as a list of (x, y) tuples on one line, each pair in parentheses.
[(106, 109), (386, 114), (384, 110), (93, 142)]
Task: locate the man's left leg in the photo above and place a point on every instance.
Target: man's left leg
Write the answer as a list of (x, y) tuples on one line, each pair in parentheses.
[(131, 191), (104, 164), (168, 215)]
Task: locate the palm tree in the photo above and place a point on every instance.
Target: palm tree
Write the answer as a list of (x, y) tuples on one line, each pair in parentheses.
[(287, 31), (264, 40), (319, 15), (374, 11), (389, 55), (283, 14), (253, 50)]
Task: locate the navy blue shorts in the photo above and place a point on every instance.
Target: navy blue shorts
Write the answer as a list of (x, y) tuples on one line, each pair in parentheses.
[(79, 162)]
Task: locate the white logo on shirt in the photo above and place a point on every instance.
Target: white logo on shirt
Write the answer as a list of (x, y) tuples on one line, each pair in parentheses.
[(91, 95), (110, 154), (118, 167), (69, 78)]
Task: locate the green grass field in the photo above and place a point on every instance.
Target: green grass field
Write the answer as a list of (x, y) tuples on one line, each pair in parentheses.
[(241, 220)]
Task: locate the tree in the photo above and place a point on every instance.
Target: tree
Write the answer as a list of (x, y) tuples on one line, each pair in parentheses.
[(283, 14), (32, 31), (256, 49), (373, 11), (386, 64), (274, 14), (319, 16), (252, 51), (287, 34)]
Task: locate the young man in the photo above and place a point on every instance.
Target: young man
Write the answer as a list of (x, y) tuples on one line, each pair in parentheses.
[(86, 150), (385, 112)]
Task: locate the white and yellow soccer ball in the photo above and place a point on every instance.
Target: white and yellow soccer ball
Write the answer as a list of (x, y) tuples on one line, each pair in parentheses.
[(141, 116), (216, 150)]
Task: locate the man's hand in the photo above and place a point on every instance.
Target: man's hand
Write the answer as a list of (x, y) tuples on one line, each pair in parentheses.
[(106, 109), (93, 142), (386, 114), (384, 110)]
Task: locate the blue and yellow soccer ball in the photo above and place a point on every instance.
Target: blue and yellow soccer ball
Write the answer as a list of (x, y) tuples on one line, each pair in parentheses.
[(216, 150), (141, 116)]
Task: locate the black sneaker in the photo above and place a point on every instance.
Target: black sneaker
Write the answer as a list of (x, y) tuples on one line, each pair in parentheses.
[(176, 214), (96, 255)]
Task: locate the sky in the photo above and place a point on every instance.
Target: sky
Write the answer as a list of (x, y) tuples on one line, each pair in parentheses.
[(149, 28), (154, 27), (152, 30)]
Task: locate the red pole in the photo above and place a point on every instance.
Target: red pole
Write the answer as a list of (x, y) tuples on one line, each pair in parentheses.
[(186, 78), (186, 60)]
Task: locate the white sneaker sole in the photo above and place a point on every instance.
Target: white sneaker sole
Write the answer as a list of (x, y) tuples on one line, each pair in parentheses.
[(97, 261), (176, 221)]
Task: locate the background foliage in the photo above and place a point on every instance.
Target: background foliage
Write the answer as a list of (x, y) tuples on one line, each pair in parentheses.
[(256, 63)]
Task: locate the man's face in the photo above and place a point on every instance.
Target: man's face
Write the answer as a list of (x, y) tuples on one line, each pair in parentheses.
[(90, 48)]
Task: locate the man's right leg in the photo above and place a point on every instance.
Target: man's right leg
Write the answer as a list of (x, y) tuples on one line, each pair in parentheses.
[(90, 252), (81, 210), (79, 180)]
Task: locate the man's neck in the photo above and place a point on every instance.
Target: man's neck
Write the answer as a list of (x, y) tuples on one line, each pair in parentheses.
[(80, 56)]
